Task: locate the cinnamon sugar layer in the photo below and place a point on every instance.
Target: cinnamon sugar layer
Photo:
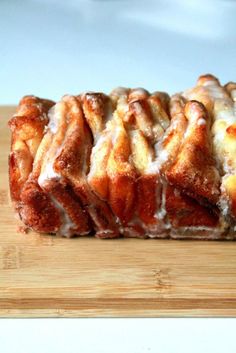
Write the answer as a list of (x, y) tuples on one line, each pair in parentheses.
[(131, 163)]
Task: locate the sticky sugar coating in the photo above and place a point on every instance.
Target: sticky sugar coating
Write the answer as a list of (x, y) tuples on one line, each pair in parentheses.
[(132, 163)]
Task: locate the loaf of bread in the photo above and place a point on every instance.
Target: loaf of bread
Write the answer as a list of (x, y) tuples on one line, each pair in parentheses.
[(132, 163)]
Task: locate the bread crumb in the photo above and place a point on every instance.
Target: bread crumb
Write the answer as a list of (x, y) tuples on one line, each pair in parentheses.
[(22, 229)]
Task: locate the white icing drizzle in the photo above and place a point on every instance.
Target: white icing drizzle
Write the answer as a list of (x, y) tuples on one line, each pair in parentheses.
[(224, 145), (68, 227), (99, 140), (47, 174), (162, 157), (161, 213), (201, 122), (54, 117)]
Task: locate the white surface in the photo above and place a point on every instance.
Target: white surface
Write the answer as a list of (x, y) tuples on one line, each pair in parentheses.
[(118, 336), (52, 47)]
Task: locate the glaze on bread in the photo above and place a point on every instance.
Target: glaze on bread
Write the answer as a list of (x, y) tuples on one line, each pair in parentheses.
[(130, 163)]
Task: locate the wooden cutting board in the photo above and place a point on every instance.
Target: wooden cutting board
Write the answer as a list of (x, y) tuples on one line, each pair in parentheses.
[(50, 276)]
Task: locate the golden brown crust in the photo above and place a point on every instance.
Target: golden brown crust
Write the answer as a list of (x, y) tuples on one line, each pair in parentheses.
[(148, 200), (98, 178), (72, 163), (204, 79), (27, 128), (194, 169), (133, 163), (220, 103), (121, 175), (37, 210), (230, 87), (184, 211), (174, 135), (97, 111), (94, 108), (138, 123)]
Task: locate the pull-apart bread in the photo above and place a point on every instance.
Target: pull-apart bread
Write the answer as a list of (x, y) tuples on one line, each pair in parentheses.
[(131, 164)]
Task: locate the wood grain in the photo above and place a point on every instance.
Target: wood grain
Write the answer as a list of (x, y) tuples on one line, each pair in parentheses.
[(45, 276)]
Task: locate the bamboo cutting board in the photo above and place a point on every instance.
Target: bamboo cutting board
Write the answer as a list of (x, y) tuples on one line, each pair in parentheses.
[(49, 276)]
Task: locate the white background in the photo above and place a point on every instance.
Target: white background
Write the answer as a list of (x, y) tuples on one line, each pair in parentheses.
[(52, 47), (118, 336)]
